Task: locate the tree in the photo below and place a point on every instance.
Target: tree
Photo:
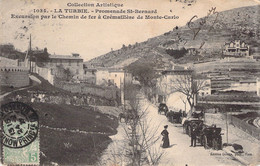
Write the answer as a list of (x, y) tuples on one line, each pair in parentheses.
[(39, 56), (140, 135), (62, 74), (189, 84), (145, 73)]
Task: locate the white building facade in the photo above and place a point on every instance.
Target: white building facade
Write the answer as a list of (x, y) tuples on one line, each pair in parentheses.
[(72, 62)]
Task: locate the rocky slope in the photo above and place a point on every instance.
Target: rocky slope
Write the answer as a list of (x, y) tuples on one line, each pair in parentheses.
[(199, 40)]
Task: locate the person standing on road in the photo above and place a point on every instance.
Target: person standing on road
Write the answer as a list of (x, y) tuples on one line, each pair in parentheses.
[(165, 134), (193, 136)]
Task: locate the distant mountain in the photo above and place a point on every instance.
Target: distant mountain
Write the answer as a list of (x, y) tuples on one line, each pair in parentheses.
[(199, 40)]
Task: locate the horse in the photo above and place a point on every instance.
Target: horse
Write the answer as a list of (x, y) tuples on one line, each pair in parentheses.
[(163, 108), (175, 117), (197, 115), (127, 117)]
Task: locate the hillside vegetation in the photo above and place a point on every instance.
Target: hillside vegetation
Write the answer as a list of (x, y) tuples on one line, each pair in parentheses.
[(9, 51), (206, 36), (69, 134)]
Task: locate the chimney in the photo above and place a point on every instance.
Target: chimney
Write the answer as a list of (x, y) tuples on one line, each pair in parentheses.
[(75, 54)]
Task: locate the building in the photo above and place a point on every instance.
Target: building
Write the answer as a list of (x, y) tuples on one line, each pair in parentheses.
[(89, 75), (72, 62), (102, 76), (166, 82), (112, 76), (236, 49), (170, 80), (119, 76)]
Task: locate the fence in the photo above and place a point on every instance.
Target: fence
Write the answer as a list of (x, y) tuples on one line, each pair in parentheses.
[(253, 131), (15, 76)]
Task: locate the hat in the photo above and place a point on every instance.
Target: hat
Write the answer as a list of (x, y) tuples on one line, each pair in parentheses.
[(165, 126)]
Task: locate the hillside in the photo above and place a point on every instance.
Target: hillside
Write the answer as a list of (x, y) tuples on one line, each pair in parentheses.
[(80, 133), (183, 45)]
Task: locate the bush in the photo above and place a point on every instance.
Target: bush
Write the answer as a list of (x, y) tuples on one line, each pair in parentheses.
[(176, 54)]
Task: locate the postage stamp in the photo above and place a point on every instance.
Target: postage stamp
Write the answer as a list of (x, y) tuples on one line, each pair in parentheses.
[(20, 134)]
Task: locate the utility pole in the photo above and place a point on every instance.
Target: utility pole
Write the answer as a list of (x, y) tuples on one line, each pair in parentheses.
[(227, 124), (124, 90), (29, 54)]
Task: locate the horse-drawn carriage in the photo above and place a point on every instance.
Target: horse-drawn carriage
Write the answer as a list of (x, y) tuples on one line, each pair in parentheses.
[(175, 117), (190, 123), (210, 137), (162, 108)]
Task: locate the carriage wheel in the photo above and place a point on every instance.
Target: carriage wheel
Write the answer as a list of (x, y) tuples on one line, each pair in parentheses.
[(205, 142)]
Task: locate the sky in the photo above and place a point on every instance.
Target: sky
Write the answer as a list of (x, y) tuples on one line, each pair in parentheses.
[(92, 38)]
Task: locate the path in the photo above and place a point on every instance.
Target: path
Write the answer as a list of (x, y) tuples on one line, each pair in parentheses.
[(179, 154)]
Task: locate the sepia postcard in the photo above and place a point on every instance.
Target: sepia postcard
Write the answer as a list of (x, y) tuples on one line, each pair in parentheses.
[(130, 82)]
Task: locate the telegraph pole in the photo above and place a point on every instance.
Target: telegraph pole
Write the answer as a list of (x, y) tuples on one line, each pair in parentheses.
[(227, 125), (124, 90), (29, 54)]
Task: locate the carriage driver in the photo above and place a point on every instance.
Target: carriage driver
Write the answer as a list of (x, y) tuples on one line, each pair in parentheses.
[(194, 133)]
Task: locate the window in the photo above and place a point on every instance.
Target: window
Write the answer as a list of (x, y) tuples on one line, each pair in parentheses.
[(69, 63), (115, 75), (77, 63)]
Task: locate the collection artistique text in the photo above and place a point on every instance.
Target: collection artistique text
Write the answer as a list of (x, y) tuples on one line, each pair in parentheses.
[(115, 5)]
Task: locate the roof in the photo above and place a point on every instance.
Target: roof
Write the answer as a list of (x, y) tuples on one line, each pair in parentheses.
[(65, 57)]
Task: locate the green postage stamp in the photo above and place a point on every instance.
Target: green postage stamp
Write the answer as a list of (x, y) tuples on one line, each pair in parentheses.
[(19, 134)]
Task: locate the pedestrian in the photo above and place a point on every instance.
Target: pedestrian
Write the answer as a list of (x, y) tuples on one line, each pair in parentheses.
[(193, 135), (165, 134)]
